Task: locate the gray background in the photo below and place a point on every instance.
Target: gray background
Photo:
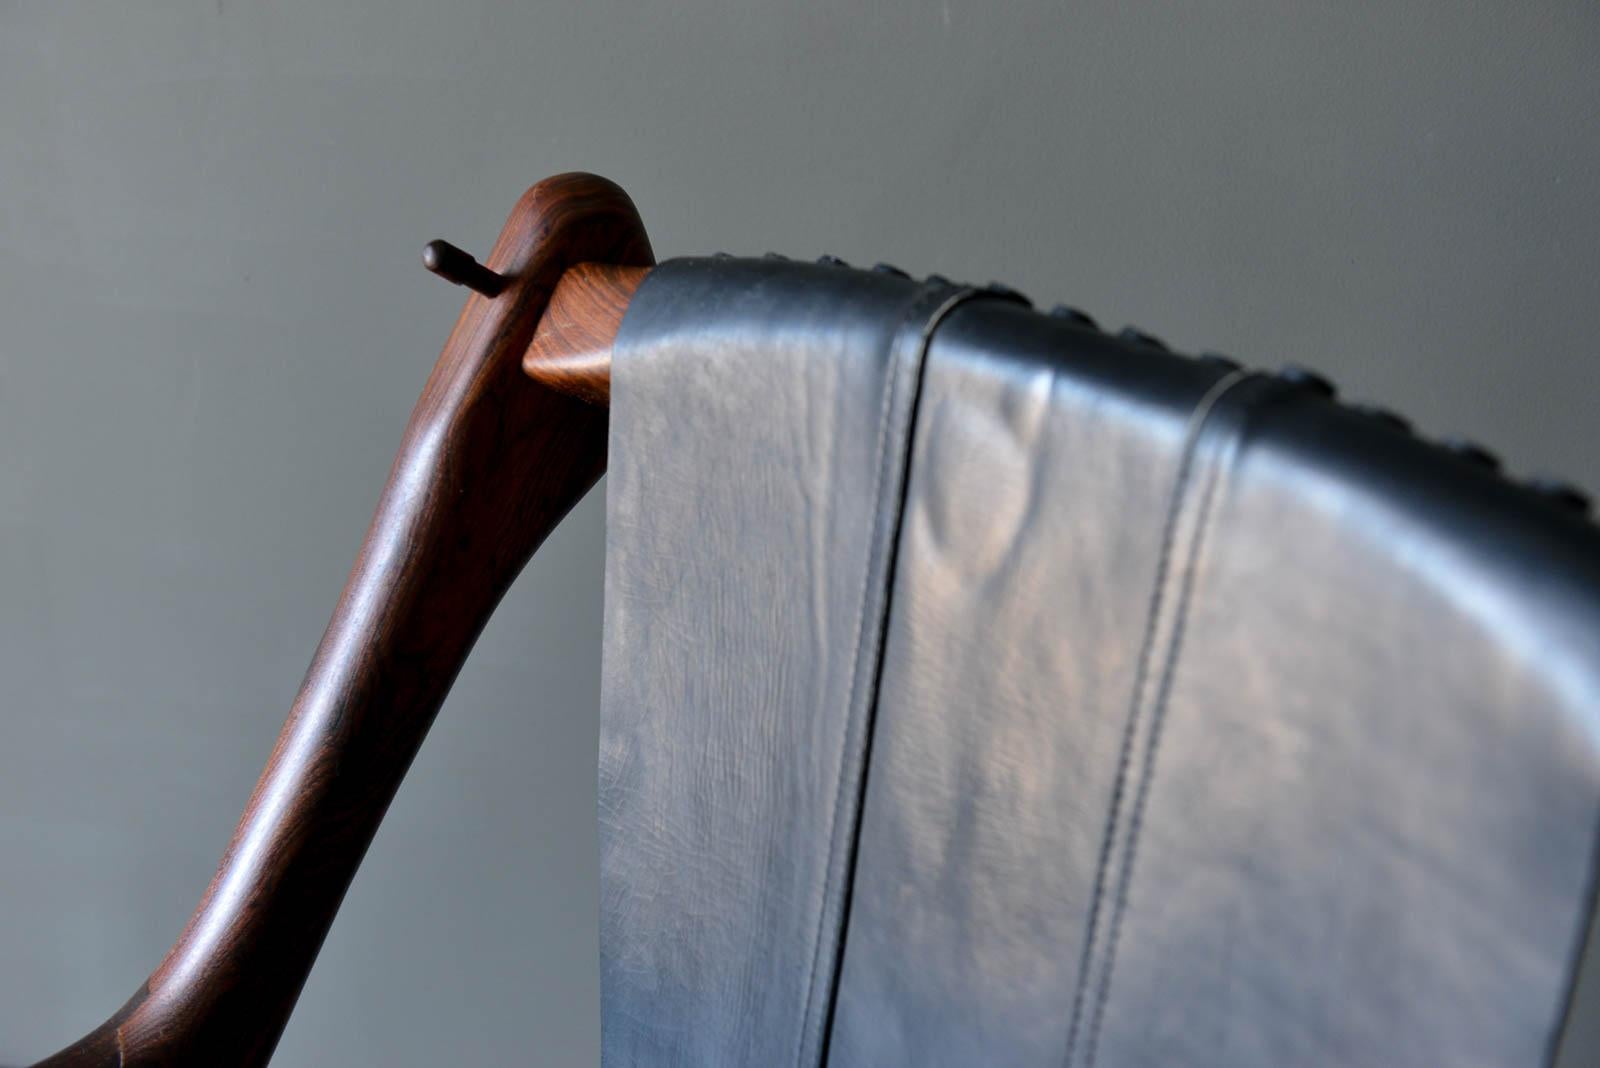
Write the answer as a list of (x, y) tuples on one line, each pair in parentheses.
[(213, 326)]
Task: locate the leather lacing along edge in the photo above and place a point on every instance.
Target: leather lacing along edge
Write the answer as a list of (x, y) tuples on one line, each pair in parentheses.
[(1547, 488)]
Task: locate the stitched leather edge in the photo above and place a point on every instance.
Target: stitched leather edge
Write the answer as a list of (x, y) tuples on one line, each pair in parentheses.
[(1109, 856), (1575, 966), (816, 1027)]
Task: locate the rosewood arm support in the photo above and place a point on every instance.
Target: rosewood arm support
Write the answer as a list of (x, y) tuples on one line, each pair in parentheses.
[(490, 462), (571, 349)]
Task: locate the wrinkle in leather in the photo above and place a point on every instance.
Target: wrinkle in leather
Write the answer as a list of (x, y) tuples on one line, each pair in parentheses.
[(1356, 818), (999, 733), (748, 591)]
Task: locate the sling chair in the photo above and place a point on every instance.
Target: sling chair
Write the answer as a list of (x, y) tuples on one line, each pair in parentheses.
[(980, 687)]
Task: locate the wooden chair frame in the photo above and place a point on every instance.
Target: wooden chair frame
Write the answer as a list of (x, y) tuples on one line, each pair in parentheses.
[(509, 433)]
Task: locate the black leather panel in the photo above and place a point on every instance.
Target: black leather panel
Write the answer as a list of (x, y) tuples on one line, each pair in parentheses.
[(1212, 723), (1365, 817), (1017, 614), (1292, 763), (760, 415)]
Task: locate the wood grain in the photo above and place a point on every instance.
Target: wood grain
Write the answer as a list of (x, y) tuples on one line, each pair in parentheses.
[(490, 463), (571, 348)]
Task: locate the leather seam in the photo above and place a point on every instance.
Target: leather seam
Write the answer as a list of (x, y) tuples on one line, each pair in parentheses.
[(880, 449), (1158, 716), (1147, 646), (873, 674), (1575, 964)]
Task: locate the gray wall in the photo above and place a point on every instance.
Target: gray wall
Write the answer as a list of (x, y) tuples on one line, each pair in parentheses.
[(213, 325)]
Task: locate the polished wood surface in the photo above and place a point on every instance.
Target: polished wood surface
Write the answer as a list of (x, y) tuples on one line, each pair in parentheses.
[(490, 463), (571, 348)]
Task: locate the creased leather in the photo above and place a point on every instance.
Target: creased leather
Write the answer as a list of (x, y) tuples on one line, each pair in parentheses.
[(744, 617), (1271, 737)]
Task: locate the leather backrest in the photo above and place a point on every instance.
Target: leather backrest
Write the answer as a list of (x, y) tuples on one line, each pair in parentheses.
[(982, 689)]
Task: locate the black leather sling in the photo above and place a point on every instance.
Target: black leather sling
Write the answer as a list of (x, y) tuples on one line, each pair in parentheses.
[(984, 689)]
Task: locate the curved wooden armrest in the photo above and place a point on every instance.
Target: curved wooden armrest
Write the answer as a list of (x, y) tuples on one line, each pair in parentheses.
[(490, 463)]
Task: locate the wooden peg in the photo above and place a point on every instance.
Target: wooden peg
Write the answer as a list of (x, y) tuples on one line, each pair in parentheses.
[(456, 265)]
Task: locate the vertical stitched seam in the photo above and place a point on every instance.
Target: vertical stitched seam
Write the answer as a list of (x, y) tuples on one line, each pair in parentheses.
[(891, 560), (856, 638), (891, 570), (1135, 703), (1157, 720), (1575, 963)]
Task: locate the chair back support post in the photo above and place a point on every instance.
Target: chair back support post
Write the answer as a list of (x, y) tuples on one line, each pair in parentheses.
[(491, 461)]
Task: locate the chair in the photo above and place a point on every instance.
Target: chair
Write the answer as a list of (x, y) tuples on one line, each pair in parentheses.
[(980, 687)]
